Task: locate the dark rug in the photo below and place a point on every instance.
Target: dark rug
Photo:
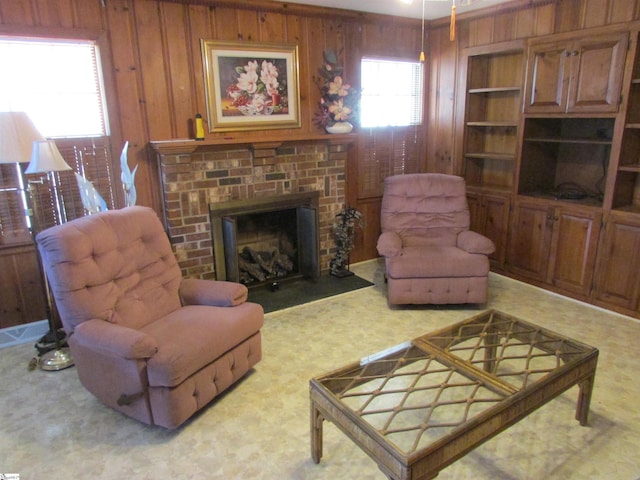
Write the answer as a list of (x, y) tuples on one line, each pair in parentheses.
[(296, 292)]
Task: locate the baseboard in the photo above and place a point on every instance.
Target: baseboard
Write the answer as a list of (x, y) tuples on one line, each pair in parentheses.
[(31, 332)]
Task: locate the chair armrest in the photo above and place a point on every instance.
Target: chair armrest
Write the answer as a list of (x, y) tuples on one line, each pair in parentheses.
[(215, 293), (115, 340), (389, 244), (473, 242)]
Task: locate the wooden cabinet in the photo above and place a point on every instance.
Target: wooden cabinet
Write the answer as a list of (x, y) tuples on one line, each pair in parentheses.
[(489, 114), (554, 244), (565, 158), (626, 189), (490, 217), (617, 282), (582, 75)]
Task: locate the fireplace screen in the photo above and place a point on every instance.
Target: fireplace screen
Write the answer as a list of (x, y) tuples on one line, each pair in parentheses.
[(265, 240)]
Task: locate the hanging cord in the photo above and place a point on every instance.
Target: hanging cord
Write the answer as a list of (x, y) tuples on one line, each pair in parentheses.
[(452, 26), (422, 40)]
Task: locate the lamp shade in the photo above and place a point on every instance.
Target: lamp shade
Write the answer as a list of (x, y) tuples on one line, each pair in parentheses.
[(45, 157), (17, 134)]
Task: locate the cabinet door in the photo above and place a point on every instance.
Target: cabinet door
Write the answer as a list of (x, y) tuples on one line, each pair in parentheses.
[(548, 78), (496, 224), (596, 76), (530, 239), (490, 217), (618, 282), (573, 249)]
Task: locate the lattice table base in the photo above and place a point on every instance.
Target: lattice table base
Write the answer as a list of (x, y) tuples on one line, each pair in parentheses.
[(421, 405)]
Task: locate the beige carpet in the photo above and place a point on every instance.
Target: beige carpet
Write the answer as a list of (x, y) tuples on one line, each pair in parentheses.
[(52, 428)]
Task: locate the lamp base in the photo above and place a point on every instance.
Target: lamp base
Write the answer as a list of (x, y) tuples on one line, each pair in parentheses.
[(56, 360)]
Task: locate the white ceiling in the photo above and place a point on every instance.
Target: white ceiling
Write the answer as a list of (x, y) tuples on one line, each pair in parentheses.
[(433, 9)]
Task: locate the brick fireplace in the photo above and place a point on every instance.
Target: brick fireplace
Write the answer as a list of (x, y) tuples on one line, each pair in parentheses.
[(197, 174)]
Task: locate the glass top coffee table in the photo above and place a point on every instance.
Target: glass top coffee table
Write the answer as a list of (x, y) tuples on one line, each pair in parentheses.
[(418, 407)]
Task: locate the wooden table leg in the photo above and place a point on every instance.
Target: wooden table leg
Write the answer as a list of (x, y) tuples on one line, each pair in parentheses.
[(316, 434), (584, 400)]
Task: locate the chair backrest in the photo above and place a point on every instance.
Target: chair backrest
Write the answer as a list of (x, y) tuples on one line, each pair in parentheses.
[(425, 208), (117, 266)]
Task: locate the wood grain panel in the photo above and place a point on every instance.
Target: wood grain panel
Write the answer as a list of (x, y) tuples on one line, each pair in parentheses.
[(622, 10), (16, 13), (178, 55), (21, 297), (131, 118), (481, 31), (569, 15), (200, 27), (248, 29), (442, 80), (55, 13), (545, 20), (226, 24), (596, 13), (273, 27), (505, 27), (153, 70)]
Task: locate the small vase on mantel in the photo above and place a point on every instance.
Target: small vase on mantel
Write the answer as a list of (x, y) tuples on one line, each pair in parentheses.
[(339, 127)]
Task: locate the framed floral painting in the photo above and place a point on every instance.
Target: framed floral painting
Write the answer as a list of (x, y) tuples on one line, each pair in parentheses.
[(251, 86)]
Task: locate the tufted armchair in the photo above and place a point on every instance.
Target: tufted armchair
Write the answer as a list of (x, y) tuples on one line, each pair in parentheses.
[(431, 256), (146, 342)]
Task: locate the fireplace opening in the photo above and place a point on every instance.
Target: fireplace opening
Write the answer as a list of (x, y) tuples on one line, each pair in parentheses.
[(267, 239), (267, 245)]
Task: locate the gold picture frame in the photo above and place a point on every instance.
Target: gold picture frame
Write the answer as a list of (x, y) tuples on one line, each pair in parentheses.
[(251, 86)]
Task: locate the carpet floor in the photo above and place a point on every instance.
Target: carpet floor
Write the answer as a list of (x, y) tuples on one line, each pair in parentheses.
[(51, 427)]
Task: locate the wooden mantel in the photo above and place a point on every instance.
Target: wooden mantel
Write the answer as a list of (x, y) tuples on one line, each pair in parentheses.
[(187, 146)]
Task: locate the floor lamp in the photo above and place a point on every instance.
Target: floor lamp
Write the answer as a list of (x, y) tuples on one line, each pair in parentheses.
[(17, 137)]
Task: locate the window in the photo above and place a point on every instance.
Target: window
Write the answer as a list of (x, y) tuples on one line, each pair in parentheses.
[(59, 85), (391, 93)]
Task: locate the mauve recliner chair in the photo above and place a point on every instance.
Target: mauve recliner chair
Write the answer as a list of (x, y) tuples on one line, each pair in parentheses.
[(146, 342), (431, 256)]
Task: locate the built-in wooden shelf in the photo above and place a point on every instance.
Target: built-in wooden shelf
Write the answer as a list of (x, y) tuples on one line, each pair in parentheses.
[(187, 146)]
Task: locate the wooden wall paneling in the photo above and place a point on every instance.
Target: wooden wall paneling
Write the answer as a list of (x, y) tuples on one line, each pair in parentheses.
[(16, 13), (481, 31), (623, 10), (57, 13), (569, 15), (200, 27), (545, 20), (248, 29), (129, 98), (178, 56), (226, 24), (273, 27), (90, 14), (367, 237), (505, 26), (21, 298), (443, 59), (596, 13), (313, 56), (525, 23), (298, 33), (153, 70)]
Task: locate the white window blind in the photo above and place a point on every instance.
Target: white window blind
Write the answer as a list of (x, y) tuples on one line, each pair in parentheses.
[(57, 83), (391, 92)]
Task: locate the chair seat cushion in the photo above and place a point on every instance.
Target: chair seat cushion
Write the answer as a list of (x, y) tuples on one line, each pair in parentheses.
[(437, 262), (194, 336)]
